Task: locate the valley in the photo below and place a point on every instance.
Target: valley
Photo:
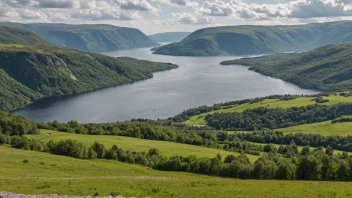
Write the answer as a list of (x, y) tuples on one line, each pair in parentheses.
[(94, 110), (197, 81)]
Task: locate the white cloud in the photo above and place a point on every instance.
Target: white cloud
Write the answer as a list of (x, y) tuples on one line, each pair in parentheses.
[(189, 18), (178, 3), (179, 13), (139, 5)]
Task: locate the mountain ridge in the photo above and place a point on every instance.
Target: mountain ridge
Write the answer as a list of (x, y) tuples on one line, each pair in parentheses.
[(249, 40), (88, 37), (11, 35)]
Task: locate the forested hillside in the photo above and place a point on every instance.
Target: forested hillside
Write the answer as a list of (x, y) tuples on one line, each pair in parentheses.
[(10, 35), (88, 38), (32, 72), (246, 40), (328, 68)]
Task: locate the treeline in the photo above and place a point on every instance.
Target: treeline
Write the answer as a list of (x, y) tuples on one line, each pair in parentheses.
[(313, 140), (184, 116), (314, 164), (348, 119), (142, 130), (273, 118), (16, 125)]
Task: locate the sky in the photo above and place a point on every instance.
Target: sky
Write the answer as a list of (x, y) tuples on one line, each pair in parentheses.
[(154, 16)]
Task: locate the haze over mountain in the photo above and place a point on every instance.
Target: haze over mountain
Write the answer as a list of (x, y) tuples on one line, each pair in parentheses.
[(89, 38), (327, 68), (246, 40), (169, 36)]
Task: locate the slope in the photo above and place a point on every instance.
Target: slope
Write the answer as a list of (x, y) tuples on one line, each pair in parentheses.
[(90, 38), (169, 36), (32, 72), (10, 35), (327, 68), (245, 40)]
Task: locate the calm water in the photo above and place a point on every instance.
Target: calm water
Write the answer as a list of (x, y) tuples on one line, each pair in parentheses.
[(198, 81)]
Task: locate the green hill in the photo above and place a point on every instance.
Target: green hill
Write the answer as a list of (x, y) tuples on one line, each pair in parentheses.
[(88, 38), (327, 68), (10, 35), (169, 36), (246, 40), (32, 72)]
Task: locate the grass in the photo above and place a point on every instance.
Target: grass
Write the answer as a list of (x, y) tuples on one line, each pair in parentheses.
[(269, 103), (135, 144), (51, 174), (322, 128)]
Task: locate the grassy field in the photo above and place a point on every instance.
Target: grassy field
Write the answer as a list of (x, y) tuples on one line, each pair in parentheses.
[(269, 103), (322, 128), (51, 174), (135, 144)]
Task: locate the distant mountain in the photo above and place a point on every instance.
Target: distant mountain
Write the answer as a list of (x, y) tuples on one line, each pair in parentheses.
[(169, 36), (327, 68), (10, 35), (246, 40), (32, 72), (89, 38)]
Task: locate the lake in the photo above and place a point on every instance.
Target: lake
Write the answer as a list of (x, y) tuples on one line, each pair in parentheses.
[(198, 81)]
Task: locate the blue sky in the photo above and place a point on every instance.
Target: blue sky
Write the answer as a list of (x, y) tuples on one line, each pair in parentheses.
[(153, 16)]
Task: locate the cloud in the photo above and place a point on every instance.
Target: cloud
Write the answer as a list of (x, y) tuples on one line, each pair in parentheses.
[(290, 9), (178, 3), (138, 5), (189, 18), (319, 8), (57, 4)]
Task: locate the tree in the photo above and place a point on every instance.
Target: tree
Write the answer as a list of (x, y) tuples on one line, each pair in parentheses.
[(329, 151), (218, 156), (305, 150), (99, 149), (286, 170), (229, 159), (309, 168)]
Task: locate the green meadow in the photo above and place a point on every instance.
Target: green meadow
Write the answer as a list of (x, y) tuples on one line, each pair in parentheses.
[(269, 103), (52, 174), (323, 128), (134, 144)]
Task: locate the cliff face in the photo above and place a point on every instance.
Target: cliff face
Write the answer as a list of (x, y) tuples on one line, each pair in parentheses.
[(10, 35), (89, 38), (246, 40), (31, 72)]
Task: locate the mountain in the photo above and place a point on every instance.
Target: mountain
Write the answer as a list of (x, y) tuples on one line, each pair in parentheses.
[(246, 40), (169, 36), (10, 35), (89, 38), (328, 68), (32, 72)]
